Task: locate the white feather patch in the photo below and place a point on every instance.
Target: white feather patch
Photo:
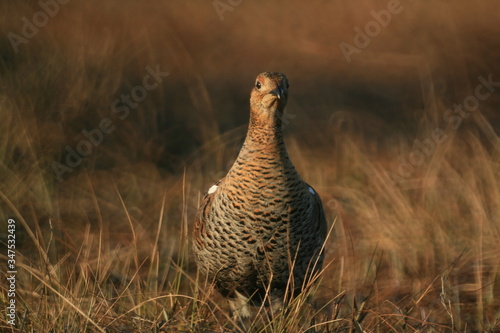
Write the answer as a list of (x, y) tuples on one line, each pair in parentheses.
[(212, 189), (311, 190)]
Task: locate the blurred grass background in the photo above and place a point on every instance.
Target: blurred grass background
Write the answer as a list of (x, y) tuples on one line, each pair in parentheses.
[(418, 252)]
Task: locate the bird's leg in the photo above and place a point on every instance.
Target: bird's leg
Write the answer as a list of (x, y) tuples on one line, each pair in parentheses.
[(240, 310), (276, 305)]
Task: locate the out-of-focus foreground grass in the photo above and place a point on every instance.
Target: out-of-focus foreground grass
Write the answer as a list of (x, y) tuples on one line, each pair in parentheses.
[(103, 245)]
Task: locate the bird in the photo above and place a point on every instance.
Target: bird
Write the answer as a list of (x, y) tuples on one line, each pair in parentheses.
[(259, 232)]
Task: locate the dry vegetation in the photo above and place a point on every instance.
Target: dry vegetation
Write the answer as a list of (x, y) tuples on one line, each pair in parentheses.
[(107, 249)]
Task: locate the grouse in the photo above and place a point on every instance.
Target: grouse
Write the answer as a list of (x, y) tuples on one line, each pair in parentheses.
[(259, 231)]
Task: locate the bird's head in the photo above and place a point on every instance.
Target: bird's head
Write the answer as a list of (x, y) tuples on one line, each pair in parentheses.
[(269, 95)]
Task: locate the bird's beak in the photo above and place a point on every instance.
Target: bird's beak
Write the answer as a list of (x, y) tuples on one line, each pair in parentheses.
[(278, 92)]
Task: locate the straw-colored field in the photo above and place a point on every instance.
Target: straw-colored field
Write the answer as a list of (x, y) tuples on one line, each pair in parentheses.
[(116, 117)]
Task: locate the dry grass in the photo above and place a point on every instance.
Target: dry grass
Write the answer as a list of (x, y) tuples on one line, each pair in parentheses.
[(107, 249)]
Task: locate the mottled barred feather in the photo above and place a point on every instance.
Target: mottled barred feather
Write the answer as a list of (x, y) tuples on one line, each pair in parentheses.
[(261, 218)]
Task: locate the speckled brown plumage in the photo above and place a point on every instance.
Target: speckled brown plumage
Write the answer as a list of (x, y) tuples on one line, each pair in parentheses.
[(262, 217)]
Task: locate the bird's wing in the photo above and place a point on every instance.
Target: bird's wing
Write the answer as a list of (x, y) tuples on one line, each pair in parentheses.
[(204, 210), (318, 215)]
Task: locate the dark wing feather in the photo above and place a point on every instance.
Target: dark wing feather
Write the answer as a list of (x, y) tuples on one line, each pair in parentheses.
[(199, 228), (318, 216)]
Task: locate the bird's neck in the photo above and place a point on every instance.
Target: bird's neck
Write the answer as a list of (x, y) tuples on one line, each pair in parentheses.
[(265, 136), (263, 160), (264, 148)]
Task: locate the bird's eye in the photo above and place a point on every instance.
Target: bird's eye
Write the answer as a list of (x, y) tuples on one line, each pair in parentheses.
[(258, 85)]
